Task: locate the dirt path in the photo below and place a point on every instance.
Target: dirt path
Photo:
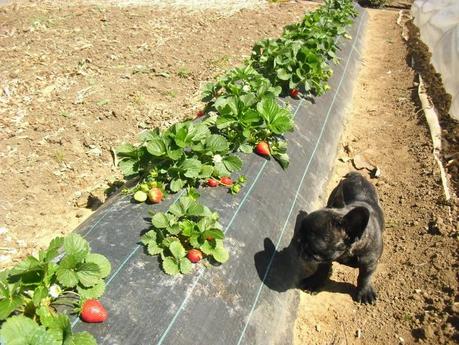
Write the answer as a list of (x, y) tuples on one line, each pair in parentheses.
[(416, 278), (77, 81)]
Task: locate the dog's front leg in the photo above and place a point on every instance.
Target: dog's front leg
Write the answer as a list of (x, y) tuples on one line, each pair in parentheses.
[(318, 279), (365, 292)]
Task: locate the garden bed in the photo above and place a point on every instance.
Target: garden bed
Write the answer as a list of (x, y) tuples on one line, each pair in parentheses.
[(240, 300)]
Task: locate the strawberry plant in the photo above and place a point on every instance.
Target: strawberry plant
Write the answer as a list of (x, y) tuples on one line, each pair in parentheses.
[(241, 81), (186, 225), (300, 56), (179, 157), (64, 274), (51, 329), (242, 115)]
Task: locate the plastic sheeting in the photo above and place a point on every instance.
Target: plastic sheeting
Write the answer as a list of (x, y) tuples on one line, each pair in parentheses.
[(438, 22), (252, 298)]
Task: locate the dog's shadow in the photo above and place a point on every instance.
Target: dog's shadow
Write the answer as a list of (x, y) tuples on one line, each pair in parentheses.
[(283, 270)]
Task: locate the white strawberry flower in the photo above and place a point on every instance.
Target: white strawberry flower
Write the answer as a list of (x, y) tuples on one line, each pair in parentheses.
[(246, 88), (55, 290), (217, 158)]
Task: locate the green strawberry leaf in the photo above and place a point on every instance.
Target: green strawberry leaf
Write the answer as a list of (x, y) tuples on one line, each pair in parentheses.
[(177, 250), (191, 167), (53, 248), (160, 221), (82, 338), (88, 273), (208, 247), (94, 292), (217, 143), (67, 277), (76, 246), (8, 306), (246, 148), (39, 293), (185, 266), (220, 254), (101, 261), (214, 234), (177, 184), (20, 330), (170, 266), (282, 74), (232, 163), (156, 147)]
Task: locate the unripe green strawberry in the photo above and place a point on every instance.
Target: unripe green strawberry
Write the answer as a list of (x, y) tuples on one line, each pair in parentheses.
[(140, 196)]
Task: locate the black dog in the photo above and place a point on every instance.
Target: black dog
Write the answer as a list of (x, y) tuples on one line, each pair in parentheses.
[(349, 231)]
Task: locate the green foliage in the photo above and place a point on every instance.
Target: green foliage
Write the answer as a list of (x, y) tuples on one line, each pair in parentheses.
[(242, 110), (55, 329), (64, 274), (187, 224), (300, 57)]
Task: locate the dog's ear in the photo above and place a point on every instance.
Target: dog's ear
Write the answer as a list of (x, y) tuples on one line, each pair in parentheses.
[(355, 222)]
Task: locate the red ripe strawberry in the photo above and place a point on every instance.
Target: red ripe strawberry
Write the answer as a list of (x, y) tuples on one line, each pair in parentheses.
[(212, 182), (194, 255), (262, 148), (200, 113), (294, 92), (93, 311), (226, 180), (155, 195)]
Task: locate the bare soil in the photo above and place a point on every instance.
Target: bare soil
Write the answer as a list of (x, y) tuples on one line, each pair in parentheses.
[(76, 81), (416, 277)]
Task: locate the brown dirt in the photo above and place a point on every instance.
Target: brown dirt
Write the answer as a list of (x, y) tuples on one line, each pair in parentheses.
[(420, 58), (416, 278), (77, 81)]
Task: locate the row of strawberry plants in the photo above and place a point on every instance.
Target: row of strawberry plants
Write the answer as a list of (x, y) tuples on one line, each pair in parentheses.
[(37, 293), (242, 115)]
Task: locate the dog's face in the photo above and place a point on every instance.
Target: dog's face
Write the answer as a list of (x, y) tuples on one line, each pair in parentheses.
[(327, 234)]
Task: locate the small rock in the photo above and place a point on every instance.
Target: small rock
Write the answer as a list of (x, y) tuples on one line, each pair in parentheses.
[(358, 333), (401, 340), (5, 258), (429, 332), (318, 328), (79, 214)]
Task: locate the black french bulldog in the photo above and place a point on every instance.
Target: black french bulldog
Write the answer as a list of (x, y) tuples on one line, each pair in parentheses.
[(349, 231)]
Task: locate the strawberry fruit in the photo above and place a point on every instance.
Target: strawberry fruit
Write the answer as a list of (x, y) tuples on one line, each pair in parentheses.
[(262, 148), (226, 180), (194, 255), (155, 195), (212, 182), (93, 311), (199, 113), (140, 196), (294, 93)]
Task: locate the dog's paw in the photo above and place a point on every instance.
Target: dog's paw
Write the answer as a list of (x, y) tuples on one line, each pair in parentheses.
[(367, 295)]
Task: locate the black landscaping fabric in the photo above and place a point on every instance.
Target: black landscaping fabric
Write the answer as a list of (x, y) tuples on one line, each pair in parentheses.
[(252, 298)]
